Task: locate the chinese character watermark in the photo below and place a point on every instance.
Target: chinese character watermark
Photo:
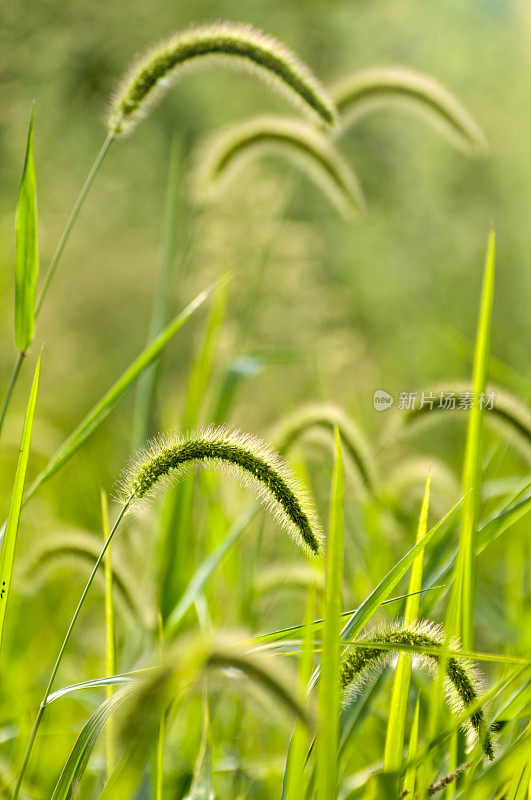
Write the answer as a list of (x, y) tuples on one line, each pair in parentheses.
[(428, 401)]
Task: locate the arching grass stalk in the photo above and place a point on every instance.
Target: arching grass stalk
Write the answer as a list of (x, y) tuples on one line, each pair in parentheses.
[(54, 262), (59, 658)]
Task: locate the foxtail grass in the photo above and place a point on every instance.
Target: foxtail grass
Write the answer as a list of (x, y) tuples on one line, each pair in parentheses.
[(224, 156), (250, 461), (235, 45), (461, 683), (326, 415), (396, 86)]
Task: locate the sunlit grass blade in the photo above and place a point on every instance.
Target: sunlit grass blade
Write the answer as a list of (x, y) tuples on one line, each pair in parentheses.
[(396, 726), (110, 643), (223, 157), (472, 468), (295, 630), (329, 685), (76, 764), (111, 398), (293, 788), (369, 607), (409, 780), (405, 88), (27, 249), (7, 553), (123, 679), (171, 229)]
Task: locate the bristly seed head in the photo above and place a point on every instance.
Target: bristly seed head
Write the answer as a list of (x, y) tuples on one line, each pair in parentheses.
[(252, 462), (240, 46), (462, 681)]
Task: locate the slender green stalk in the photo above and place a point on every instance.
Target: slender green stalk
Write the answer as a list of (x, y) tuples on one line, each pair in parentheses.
[(51, 679), (12, 382), (110, 650), (330, 684), (55, 260), (159, 316)]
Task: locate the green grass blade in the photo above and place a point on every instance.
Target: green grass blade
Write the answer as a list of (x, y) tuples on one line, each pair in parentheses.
[(409, 780), (27, 249), (111, 398), (329, 686), (110, 644), (294, 777), (465, 580), (147, 384), (125, 678), (76, 764), (7, 554), (396, 726), (369, 607)]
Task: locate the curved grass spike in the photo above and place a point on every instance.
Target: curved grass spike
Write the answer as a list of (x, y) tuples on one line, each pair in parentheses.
[(221, 156), (461, 680), (84, 548), (183, 665), (507, 410), (327, 415), (382, 87), (252, 462), (237, 45)]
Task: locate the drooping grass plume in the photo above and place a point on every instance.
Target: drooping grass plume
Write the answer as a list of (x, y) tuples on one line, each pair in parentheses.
[(252, 462), (508, 412), (461, 681), (235, 45), (397, 86), (27, 250), (327, 415), (84, 548), (223, 156), (183, 665)]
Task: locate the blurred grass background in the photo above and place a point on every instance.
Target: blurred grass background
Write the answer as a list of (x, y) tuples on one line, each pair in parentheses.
[(389, 301), (335, 310)]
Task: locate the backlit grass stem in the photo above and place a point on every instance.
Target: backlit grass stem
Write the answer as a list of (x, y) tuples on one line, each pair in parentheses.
[(62, 649)]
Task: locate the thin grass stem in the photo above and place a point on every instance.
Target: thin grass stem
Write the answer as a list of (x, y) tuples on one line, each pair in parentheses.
[(51, 679)]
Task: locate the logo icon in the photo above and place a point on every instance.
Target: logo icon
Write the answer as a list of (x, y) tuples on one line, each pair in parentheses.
[(382, 400)]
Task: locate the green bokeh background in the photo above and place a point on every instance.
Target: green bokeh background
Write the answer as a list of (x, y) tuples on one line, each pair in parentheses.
[(333, 309)]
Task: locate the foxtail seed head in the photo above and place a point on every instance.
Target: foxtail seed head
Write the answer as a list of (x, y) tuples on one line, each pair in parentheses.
[(252, 463), (383, 87), (221, 157), (239, 46), (461, 684)]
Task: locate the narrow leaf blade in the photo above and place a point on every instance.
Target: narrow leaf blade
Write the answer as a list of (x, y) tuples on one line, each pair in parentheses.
[(7, 554), (27, 249)]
